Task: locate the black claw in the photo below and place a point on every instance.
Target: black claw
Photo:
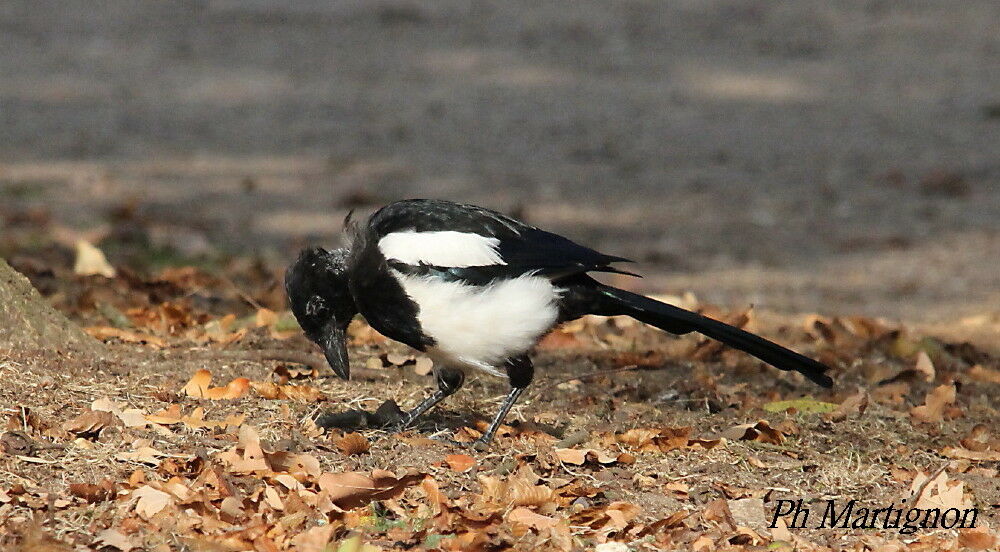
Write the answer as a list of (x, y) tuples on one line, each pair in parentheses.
[(399, 427)]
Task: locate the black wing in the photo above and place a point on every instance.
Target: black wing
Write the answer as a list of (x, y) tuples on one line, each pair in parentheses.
[(524, 248), (434, 215)]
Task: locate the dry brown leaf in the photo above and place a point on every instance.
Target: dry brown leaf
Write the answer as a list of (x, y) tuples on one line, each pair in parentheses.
[(978, 538), (578, 457), (620, 514), (267, 389), (559, 339), (656, 439), (105, 404), (398, 359), (273, 499), (520, 490), (749, 512), (460, 462), (354, 489), (780, 531), (980, 439), (374, 363), (973, 455), (286, 372), (924, 366), (132, 417), (142, 455), (150, 501), (986, 375), (854, 405), (168, 318), (196, 420), (252, 459), (303, 393), (17, 443), (760, 431), (94, 493), (315, 539), (219, 331), (199, 387), (233, 507), (89, 423), (168, 416), (362, 334), (265, 318), (702, 544), (718, 511), (663, 439), (435, 497), (756, 462), (933, 409), (353, 443), (891, 393), (114, 539), (528, 518), (939, 492), (90, 261), (302, 466), (673, 521), (105, 333), (678, 488), (707, 444), (423, 366), (604, 520)]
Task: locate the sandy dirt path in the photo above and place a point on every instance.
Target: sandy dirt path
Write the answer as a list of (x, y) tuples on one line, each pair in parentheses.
[(799, 155)]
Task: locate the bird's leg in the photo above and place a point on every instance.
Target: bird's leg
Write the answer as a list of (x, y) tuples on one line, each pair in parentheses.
[(520, 371), (449, 380), (508, 402)]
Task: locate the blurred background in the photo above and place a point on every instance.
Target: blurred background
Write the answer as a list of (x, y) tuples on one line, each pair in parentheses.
[(803, 156)]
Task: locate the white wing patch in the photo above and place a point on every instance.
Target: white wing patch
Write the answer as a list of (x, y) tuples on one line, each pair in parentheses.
[(446, 248), (481, 326)]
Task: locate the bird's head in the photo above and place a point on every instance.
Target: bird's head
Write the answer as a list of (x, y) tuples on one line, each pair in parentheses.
[(316, 284)]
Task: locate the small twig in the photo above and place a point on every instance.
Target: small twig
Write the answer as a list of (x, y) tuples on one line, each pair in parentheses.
[(923, 486), (243, 295)]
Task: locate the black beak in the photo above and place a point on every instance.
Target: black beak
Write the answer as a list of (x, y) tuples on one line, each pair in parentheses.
[(333, 340)]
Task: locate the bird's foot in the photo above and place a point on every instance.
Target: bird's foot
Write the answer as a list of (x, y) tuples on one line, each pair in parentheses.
[(399, 426)]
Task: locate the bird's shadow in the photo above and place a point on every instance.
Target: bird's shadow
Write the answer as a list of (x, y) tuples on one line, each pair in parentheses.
[(388, 416)]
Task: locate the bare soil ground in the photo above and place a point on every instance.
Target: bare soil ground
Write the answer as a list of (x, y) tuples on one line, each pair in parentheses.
[(626, 435), (801, 156)]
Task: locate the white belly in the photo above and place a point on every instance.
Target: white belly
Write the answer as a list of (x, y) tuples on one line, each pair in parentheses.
[(481, 326)]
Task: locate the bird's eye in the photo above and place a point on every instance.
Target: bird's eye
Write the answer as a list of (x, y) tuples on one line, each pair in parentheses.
[(315, 305)]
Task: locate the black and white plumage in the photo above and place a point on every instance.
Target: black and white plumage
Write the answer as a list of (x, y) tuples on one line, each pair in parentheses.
[(475, 290)]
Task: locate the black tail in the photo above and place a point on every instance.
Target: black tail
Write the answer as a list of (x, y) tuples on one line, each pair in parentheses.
[(679, 321)]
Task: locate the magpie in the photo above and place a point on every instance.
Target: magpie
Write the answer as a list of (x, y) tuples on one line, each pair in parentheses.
[(476, 290)]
